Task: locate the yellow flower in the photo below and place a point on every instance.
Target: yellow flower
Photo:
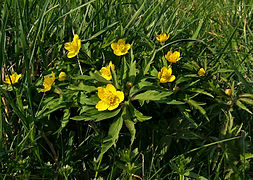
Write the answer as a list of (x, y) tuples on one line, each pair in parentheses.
[(62, 76), (173, 57), (120, 48), (166, 75), (73, 47), (162, 37), (106, 71), (48, 82), (201, 72), (110, 98), (12, 79)]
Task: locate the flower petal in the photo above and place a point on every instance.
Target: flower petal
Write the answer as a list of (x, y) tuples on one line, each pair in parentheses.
[(102, 93), (159, 75), (163, 80), (121, 41), (72, 54), (120, 95), (117, 52), (171, 78), (111, 88), (102, 106), (114, 46), (114, 106), (68, 46), (169, 70), (127, 47)]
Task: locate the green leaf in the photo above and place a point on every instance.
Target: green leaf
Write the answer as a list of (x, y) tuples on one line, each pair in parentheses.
[(140, 87), (140, 116), (132, 71), (175, 102), (88, 100), (96, 115), (130, 126), (152, 95), (102, 31), (246, 95), (195, 176), (247, 100), (96, 75), (113, 134), (83, 87), (114, 79), (150, 61), (201, 91), (196, 33), (64, 120), (197, 106), (241, 105)]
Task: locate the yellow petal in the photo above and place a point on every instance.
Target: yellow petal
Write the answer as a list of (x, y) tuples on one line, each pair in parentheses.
[(171, 78), (121, 41), (127, 47), (112, 107), (159, 75), (75, 39), (120, 95), (72, 54), (102, 93), (68, 46), (163, 80), (111, 88), (117, 52), (111, 65), (79, 45), (169, 71), (201, 72), (102, 106), (114, 46), (62, 76)]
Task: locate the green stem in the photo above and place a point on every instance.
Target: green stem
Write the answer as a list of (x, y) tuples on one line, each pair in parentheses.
[(181, 177), (98, 166)]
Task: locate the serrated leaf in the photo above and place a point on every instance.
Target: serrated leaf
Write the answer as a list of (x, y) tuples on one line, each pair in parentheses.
[(113, 135), (96, 115), (143, 85), (92, 100), (152, 95), (83, 87), (175, 102)]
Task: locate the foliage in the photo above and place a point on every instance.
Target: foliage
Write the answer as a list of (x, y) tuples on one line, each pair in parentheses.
[(194, 123)]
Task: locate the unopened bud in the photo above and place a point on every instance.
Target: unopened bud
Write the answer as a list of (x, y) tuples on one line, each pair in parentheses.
[(229, 103), (129, 84), (228, 92), (176, 89)]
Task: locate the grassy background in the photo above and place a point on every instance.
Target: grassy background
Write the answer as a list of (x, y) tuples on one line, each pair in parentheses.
[(175, 143)]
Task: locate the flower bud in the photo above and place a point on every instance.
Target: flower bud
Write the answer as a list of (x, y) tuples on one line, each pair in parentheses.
[(229, 103), (228, 92), (129, 84)]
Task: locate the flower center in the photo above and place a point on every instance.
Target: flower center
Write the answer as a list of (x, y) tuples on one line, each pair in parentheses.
[(112, 99)]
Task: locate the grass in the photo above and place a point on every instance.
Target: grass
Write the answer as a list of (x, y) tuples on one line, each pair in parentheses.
[(188, 129)]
